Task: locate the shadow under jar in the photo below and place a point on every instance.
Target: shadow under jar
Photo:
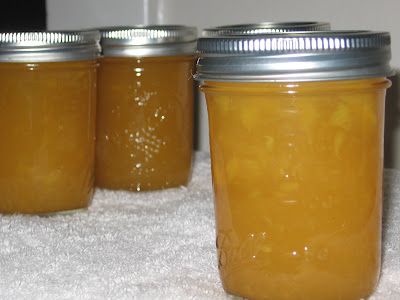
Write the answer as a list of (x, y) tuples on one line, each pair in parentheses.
[(296, 136), (47, 120), (145, 107)]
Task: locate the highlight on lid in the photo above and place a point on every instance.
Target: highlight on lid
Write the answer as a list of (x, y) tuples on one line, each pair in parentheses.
[(149, 40), (303, 56), (265, 27), (49, 46)]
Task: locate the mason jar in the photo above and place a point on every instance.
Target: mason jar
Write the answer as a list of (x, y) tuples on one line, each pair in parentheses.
[(47, 120), (145, 107), (296, 137)]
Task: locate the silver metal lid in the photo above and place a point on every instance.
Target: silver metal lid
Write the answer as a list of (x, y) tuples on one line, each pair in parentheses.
[(265, 27), (301, 56), (49, 46), (149, 40)]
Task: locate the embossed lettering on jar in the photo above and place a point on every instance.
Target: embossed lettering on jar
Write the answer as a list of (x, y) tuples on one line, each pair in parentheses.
[(145, 108), (297, 161), (47, 120)]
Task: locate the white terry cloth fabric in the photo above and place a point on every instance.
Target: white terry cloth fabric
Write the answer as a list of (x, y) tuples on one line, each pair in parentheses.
[(155, 245)]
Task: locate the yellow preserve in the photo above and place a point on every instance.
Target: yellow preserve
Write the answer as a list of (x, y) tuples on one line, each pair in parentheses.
[(297, 175), (296, 138), (144, 122), (145, 107), (47, 127)]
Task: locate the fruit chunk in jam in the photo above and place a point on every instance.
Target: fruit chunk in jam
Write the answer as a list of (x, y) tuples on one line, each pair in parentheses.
[(297, 175), (47, 123)]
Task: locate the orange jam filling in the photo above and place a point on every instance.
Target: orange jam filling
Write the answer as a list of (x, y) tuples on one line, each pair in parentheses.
[(144, 122), (47, 120), (297, 175)]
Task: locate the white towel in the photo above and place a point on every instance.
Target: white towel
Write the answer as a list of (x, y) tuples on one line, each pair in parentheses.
[(158, 245)]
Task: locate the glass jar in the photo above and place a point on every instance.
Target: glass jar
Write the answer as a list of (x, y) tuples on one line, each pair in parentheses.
[(296, 136), (47, 120), (145, 108)]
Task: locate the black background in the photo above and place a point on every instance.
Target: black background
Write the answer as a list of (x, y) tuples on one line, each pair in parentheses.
[(23, 15)]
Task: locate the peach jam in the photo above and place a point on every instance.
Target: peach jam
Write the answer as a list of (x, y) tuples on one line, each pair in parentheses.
[(296, 137), (47, 120), (145, 108)]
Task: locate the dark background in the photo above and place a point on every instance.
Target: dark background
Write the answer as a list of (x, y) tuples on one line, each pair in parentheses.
[(19, 15)]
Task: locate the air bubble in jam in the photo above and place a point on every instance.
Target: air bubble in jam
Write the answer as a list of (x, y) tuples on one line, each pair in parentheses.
[(297, 185), (153, 127)]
